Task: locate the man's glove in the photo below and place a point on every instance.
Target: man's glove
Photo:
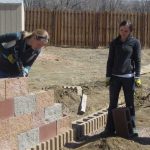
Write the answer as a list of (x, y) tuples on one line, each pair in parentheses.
[(107, 81), (138, 82)]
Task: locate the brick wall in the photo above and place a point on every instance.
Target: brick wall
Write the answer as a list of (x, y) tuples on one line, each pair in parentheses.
[(27, 119)]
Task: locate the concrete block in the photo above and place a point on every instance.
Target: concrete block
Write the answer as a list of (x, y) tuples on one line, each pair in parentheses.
[(67, 137), (52, 144), (64, 138), (48, 145), (44, 99), (122, 122), (2, 89), (83, 103), (53, 113), (16, 87), (6, 108), (63, 124), (25, 104), (48, 131), (38, 119), (79, 90), (56, 142), (4, 128), (28, 139), (13, 141), (5, 143), (60, 140), (71, 132), (20, 124)]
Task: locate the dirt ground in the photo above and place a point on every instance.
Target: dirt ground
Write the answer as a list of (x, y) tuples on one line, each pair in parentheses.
[(58, 67)]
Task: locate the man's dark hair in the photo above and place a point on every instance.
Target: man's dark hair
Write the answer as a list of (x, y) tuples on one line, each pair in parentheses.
[(127, 23)]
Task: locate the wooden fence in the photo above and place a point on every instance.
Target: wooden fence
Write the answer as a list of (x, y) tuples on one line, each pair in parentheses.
[(86, 29)]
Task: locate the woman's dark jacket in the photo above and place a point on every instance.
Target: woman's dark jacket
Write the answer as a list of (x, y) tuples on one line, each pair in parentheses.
[(16, 56), (124, 57)]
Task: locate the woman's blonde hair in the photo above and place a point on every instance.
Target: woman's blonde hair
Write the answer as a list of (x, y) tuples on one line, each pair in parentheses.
[(40, 34)]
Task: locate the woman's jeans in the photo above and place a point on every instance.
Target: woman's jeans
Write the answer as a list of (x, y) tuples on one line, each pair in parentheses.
[(128, 86)]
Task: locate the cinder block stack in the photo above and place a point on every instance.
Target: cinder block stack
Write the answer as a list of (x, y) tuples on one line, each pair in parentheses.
[(27, 119), (90, 124)]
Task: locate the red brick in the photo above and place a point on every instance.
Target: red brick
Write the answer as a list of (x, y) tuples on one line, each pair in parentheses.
[(38, 119), (6, 109), (63, 124), (16, 87), (44, 99), (48, 131), (20, 124), (2, 89)]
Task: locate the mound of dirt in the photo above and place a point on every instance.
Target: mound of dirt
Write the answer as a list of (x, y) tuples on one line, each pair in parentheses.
[(115, 143)]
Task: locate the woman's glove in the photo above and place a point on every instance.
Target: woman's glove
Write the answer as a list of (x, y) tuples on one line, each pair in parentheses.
[(25, 71), (138, 82)]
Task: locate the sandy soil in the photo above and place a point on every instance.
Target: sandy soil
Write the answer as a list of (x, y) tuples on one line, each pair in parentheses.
[(57, 67)]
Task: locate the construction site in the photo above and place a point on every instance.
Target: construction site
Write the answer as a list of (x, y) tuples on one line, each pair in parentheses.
[(44, 110)]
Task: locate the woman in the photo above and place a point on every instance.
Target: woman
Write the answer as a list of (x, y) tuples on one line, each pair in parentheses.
[(19, 50), (123, 70)]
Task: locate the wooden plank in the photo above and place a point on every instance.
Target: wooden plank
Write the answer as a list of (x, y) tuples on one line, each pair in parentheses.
[(107, 25), (80, 28), (69, 28), (138, 27), (62, 28), (83, 29), (148, 30), (73, 28), (87, 28), (42, 18), (65, 28), (46, 19), (91, 29), (111, 26), (135, 25), (104, 28), (76, 28), (115, 26), (38, 18), (34, 19), (31, 20), (50, 25), (94, 34), (58, 28)]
